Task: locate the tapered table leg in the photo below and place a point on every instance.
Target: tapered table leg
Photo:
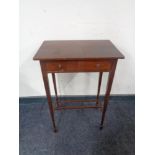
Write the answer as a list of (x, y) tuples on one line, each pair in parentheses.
[(107, 94), (99, 87), (55, 89), (48, 94)]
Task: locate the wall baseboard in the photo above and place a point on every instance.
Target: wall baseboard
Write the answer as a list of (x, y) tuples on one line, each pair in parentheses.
[(30, 99)]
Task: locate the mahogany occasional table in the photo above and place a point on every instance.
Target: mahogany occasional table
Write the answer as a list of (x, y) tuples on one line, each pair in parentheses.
[(77, 56)]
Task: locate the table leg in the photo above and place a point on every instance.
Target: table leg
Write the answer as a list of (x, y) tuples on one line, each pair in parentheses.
[(99, 87), (107, 94), (48, 94), (55, 89)]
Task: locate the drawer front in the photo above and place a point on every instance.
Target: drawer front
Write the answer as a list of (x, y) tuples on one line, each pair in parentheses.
[(78, 66)]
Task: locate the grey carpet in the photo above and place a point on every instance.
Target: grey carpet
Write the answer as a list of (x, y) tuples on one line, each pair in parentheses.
[(79, 132)]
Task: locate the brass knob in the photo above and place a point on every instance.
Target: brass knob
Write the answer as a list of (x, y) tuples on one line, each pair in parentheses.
[(97, 65), (59, 66)]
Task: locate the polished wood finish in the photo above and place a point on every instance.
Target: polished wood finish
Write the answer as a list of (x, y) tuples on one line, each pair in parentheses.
[(107, 94), (78, 65), (69, 101), (48, 94), (99, 87), (78, 56), (77, 107), (77, 50), (55, 89)]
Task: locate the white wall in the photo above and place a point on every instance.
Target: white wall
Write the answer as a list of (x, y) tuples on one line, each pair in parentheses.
[(76, 19)]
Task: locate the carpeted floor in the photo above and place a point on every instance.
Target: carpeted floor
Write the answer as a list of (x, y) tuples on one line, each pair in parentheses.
[(79, 132)]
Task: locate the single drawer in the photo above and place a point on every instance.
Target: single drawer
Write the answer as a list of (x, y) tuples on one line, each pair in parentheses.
[(78, 66)]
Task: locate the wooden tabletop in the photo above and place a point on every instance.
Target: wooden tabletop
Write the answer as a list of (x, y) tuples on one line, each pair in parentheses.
[(77, 50)]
